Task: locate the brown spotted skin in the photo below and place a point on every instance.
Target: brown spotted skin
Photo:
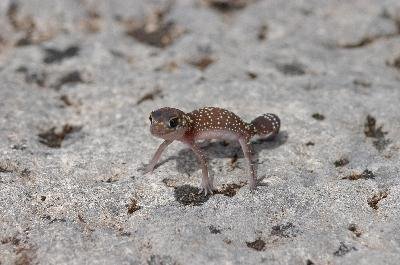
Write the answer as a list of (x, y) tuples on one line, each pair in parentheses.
[(209, 123), (210, 118), (267, 125)]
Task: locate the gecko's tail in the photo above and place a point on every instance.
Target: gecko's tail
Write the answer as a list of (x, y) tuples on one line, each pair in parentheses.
[(266, 125)]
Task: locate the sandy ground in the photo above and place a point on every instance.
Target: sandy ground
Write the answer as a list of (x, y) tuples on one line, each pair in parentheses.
[(78, 80)]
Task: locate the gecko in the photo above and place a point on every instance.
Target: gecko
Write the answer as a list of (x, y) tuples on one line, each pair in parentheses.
[(207, 123)]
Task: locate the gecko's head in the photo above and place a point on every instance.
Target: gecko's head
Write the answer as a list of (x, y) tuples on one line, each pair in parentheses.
[(168, 123)]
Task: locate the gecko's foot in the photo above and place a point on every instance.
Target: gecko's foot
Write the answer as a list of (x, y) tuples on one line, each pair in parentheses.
[(252, 186), (207, 189), (148, 169), (254, 183)]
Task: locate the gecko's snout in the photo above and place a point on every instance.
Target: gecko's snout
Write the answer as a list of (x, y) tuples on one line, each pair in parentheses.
[(156, 129)]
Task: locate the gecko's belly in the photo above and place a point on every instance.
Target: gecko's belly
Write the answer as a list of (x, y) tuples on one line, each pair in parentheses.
[(217, 134)]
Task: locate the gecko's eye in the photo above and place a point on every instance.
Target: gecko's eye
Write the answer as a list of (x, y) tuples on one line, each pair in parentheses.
[(173, 122), (151, 119)]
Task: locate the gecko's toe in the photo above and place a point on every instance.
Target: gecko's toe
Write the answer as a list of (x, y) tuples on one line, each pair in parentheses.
[(252, 186), (148, 169), (201, 189), (206, 189)]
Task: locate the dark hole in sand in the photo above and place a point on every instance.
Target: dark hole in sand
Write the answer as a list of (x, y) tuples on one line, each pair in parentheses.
[(367, 40), (262, 32), (23, 24), (150, 96), (133, 206), (202, 63), (231, 189), (19, 146), (252, 75), (25, 173), (257, 244), (58, 220), (395, 63), (362, 82), (371, 130), (12, 14), (54, 139), (341, 162), (214, 230), (343, 250), (5, 169), (227, 5), (318, 116), (66, 100), (285, 230), (70, 78), (373, 202), (33, 77), (13, 240), (366, 174), (161, 38), (355, 229), (155, 30), (293, 69), (161, 260), (55, 55), (360, 43)]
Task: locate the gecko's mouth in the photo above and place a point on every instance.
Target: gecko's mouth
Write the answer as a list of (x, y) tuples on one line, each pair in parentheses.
[(160, 131), (157, 130)]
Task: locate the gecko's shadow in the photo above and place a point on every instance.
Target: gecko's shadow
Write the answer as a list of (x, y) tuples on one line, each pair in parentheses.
[(186, 161)]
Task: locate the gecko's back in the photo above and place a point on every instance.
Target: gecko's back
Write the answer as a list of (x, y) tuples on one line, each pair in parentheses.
[(217, 119)]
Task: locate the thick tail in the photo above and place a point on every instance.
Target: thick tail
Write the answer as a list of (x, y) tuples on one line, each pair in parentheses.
[(266, 125)]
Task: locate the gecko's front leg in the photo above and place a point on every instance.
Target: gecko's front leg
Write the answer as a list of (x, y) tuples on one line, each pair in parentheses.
[(248, 154), (206, 183), (156, 157)]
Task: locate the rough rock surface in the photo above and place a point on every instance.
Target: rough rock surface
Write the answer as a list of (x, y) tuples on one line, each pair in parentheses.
[(78, 79)]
